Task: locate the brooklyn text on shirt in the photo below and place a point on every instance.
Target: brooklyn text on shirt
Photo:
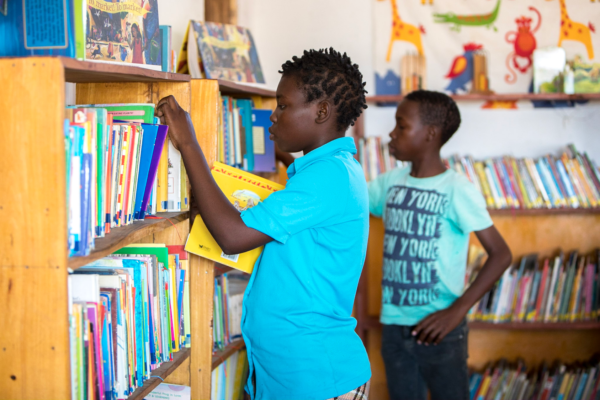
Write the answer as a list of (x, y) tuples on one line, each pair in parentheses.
[(412, 232)]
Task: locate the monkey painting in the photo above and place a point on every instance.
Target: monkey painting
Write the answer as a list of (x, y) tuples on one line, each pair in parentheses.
[(524, 42)]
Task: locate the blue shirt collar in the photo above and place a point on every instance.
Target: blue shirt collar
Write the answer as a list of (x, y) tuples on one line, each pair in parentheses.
[(328, 149)]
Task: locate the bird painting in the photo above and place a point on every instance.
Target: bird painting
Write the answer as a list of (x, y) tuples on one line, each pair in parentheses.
[(461, 71)]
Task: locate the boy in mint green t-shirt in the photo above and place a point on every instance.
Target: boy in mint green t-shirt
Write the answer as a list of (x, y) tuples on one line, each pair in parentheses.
[(429, 212)]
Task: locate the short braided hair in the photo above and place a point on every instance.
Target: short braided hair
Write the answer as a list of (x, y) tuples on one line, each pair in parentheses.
[(437, 109), (327, 74)]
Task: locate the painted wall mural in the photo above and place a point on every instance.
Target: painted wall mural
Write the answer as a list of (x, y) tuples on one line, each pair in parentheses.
[(508, 30)]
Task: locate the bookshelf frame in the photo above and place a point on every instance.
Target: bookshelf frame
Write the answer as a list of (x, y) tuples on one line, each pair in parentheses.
[(34, 339)]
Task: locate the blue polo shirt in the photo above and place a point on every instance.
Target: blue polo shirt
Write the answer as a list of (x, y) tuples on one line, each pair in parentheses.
[(297, 321)]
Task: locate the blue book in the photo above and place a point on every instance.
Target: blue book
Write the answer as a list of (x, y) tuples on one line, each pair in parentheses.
[(107, 359), (564, 176), (180, 286), (245, 108), (148, 141), (86, 207), (474, 385), (264, 153), (548, 185), (39, 28)]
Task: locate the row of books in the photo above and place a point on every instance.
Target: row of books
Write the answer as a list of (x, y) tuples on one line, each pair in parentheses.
[(229, 378), (119, 168), (571, 180), (129, 313), (554, 289), (91, 30), (243, 137), (227, 318), (375, 158), (168, 56), (503, 380)]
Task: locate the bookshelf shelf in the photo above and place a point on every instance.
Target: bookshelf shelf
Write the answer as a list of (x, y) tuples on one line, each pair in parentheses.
[(499, 97), (545, 211), (235, 88), (120, 237), (538, 326), (220, 356), (163, 371)]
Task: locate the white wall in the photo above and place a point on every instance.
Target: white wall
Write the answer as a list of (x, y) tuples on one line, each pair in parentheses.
[(177, 13), (283, 28)]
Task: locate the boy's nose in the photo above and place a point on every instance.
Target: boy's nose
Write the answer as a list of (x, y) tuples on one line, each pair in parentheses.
[(273, 118)]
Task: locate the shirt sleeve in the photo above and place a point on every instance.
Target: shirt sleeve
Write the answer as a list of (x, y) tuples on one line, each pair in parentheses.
[(468, 210), (314, 197), (377, 194)]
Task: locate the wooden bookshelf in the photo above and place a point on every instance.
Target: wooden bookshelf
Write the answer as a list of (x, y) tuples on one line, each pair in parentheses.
[(220, 356), (34, 339), (160, 374), (121, 237), (235, 88), (499, 97)]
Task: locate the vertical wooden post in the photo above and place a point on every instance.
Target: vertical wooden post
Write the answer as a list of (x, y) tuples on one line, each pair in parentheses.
[(34, 333), (204, 113)]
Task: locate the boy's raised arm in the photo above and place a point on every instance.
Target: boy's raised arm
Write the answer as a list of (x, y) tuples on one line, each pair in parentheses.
[(221, 218), (437, 325)]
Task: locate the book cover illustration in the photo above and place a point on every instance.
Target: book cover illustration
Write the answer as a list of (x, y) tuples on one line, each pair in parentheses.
[(124, 32), (227, 52), (586, 76), (244, 190)]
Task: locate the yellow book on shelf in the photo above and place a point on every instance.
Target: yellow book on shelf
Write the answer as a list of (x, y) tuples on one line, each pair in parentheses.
[(162, 176), (244, 190), (485, 185), (240, 374)]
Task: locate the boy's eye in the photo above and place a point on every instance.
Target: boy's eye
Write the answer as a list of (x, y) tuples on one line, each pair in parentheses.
[(281, 106)]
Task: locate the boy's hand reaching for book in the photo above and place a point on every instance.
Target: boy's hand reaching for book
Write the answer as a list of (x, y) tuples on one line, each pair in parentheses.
[(181, 129), (436, 326)]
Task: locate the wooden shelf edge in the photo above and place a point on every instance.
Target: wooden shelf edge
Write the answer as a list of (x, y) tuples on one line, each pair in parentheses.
[(544, 211), (120, 237), (498, 97), (372, 322), (163, 371), (220, 356), (235, 88)]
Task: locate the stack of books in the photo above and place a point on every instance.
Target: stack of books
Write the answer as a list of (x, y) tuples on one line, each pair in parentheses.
[(227, 318), (571, 180), (503, 380), (375, 158), (129, 313), (229, 378), (119, 168), (243, 137), (556, 289)]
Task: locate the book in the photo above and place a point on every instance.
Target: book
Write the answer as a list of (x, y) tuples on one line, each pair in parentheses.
[(220, 51), (123, 33), (264, 148), (243, 190)]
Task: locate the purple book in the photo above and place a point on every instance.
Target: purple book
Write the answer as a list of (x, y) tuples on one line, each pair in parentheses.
[(158, 147)]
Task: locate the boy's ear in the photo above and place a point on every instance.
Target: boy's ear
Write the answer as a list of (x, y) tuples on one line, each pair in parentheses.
[(324, 111), (434, 133)]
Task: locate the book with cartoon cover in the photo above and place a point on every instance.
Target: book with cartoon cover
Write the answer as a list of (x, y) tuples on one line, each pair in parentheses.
[(244, 190), (125, 32)]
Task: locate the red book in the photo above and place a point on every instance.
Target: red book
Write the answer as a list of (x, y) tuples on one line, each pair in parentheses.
[(108, 173), (513, 182)]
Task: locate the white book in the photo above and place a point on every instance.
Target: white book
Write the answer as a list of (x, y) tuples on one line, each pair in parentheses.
[(174, 179), (549, 302), (236, 132), (85, 288)]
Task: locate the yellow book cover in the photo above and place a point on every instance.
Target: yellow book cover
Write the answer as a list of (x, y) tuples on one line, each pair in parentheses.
[(240, 378), (244, 190), (183, 187), (478, 165), (519, 182), (162, 175), (584, 183)]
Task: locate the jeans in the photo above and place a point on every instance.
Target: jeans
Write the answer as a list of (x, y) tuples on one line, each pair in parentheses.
[(413, 368)]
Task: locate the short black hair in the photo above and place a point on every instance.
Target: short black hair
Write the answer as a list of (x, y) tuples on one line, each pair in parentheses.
[(328, 74), (437, 109)]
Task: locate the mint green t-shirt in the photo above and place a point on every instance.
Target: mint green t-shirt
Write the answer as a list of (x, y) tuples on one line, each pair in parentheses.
[(427, 224)]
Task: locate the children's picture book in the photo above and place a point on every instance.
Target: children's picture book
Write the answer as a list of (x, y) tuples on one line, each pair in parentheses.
[(264, 148), (586, 76), (220, 51), (166, 391), (124, 32), (548, 66), (244, 191)]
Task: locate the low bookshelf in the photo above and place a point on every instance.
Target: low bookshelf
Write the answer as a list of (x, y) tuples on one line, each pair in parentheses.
[(34, 341)]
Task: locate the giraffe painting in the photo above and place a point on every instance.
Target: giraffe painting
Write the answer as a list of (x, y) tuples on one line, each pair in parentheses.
[(403, 32), (571, 30)]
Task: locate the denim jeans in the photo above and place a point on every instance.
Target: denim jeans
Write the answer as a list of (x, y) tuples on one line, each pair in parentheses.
[(413, 368)]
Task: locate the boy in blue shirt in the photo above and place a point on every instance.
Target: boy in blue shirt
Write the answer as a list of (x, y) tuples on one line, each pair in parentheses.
[(428, 213), (297, 322)]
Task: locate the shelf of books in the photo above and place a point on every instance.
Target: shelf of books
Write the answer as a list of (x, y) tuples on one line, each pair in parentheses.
[(54, 226), (499, 97)]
